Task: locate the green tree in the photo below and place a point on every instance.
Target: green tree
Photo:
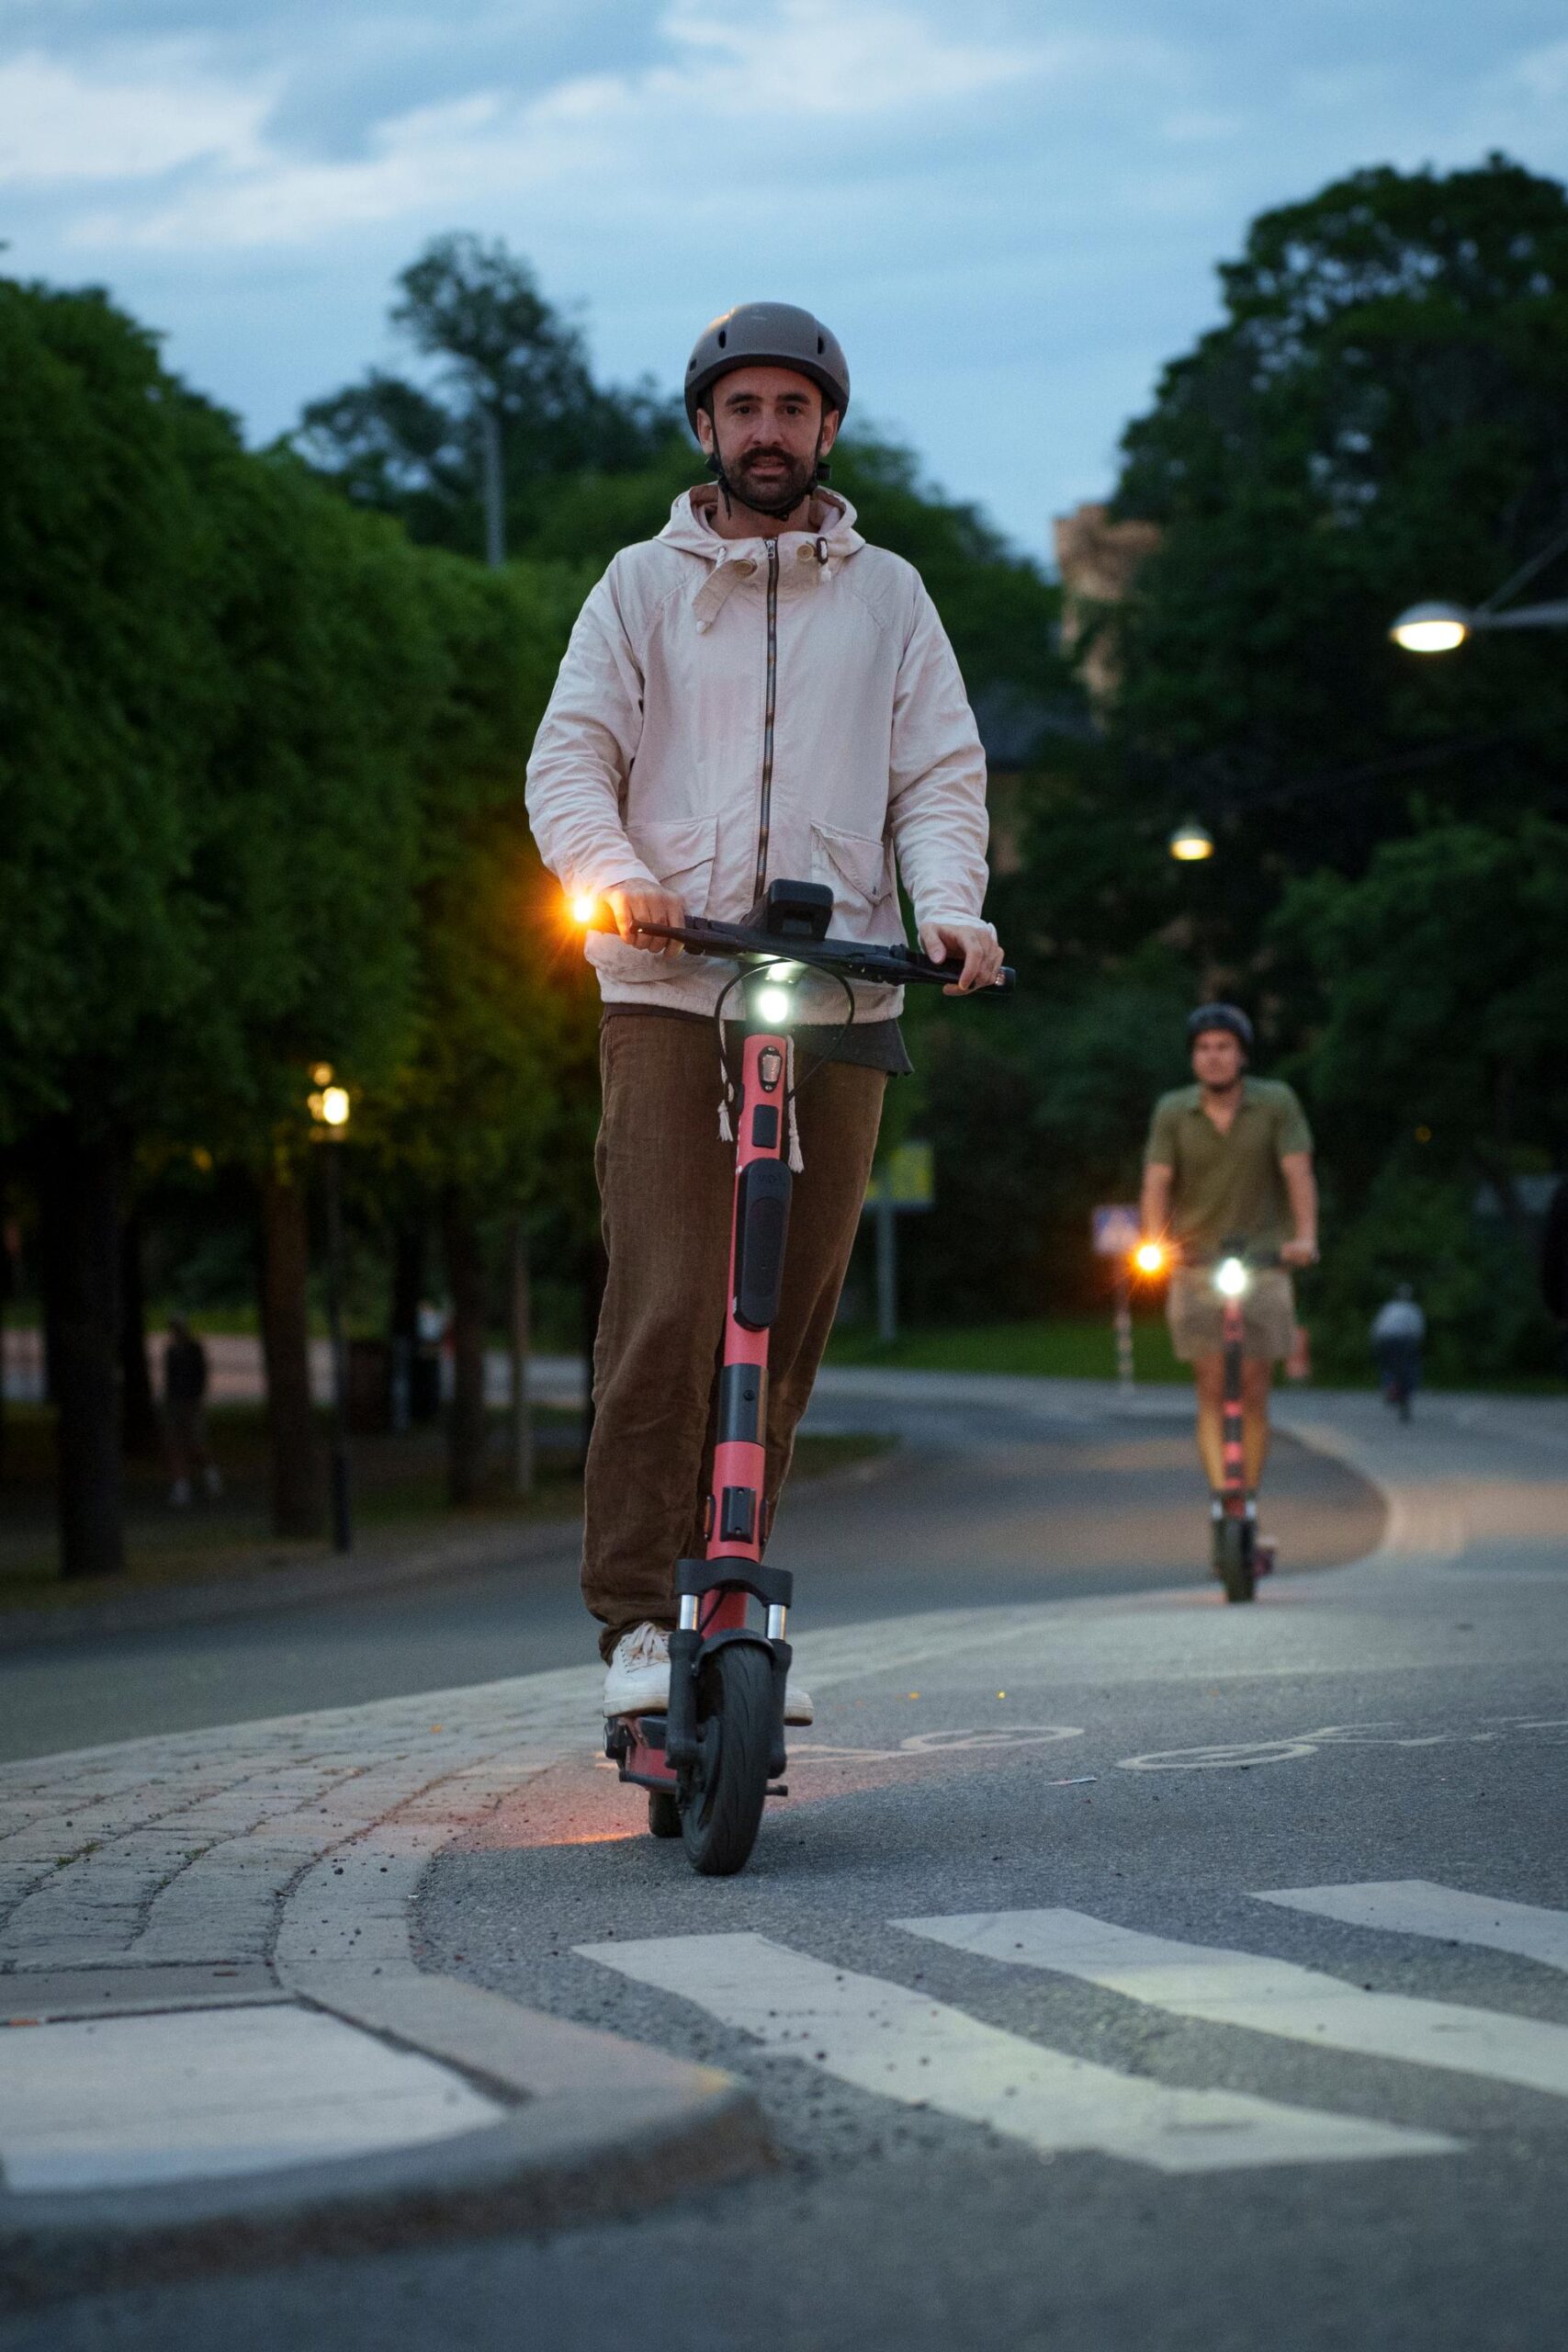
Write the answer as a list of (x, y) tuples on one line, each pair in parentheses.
[(215, 678), (1378, 418), (465, 461), (488, 1101), (106, 712), (308, 864), (1438, 978)]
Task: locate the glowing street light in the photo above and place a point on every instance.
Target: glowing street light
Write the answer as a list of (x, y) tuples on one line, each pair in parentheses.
[(1431, 628), (1440, 628), (1191, 842), (1149, 1258)]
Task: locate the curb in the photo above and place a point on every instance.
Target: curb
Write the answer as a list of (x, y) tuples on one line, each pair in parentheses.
[(598, 2126)]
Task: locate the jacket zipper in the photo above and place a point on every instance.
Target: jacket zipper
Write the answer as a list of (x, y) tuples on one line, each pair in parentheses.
[(770, 705)]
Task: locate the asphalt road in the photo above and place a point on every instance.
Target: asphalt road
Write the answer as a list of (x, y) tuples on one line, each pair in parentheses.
[(1044, 2062), (982, 1503)]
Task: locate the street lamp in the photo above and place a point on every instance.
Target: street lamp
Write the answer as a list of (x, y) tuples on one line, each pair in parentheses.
[(1431, 628), (1435, 628), (1191, 842), (329, 1107)]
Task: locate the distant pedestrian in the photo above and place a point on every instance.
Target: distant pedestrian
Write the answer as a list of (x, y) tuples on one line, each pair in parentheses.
[(185, 1413), (1398, 1329)]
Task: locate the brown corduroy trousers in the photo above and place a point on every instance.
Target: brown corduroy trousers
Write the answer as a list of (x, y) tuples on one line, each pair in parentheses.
[(666, 1184)]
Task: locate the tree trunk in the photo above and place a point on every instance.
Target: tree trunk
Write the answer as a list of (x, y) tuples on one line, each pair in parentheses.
[(408, 1289), (291, 1425), (79, 1217), (466, 1280), (142, 1432)]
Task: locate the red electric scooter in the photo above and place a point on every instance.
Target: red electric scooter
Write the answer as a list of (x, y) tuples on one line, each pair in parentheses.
[(710, 1763)]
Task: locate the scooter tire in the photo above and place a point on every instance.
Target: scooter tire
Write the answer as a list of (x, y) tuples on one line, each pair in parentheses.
[(1236, 1560), (663, 1814), (722, 1811)]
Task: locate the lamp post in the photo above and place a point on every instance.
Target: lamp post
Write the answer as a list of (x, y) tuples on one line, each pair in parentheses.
[(1437, 627), (330, 1107)]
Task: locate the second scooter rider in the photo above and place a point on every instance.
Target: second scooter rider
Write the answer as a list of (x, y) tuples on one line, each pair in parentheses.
[(755, 694)]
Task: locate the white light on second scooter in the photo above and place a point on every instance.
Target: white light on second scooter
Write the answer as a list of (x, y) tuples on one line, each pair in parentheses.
[(1230, 1278), (775, 1005)]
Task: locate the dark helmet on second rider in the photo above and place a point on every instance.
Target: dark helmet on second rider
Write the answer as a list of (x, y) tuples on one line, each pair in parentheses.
[(1220, 1016), (767, 334)]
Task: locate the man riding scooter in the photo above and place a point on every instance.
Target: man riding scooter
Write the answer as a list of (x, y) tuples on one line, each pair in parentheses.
[(1228, 1184), (756, 694)]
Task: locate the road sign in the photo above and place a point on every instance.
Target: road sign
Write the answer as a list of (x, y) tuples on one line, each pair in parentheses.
[(905, 1180), (1115, 1230)]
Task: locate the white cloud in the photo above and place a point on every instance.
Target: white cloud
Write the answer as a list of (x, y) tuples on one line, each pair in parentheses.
[(799, 82), (59, 127)]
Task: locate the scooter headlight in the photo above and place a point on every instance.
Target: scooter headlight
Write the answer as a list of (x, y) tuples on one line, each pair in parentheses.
[(1231, 1278), (775, 1005)]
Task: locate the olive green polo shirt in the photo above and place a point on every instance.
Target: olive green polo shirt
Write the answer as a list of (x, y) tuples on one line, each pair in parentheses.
[(1228, 1186)]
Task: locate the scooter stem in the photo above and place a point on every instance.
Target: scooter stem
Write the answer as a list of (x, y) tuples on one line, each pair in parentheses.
[(737, 1505)]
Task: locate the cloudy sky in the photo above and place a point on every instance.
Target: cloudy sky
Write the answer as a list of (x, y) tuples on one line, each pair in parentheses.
[(1010, 209)]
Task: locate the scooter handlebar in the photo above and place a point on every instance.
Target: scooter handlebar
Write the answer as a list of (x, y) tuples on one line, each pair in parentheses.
[(851, 959)]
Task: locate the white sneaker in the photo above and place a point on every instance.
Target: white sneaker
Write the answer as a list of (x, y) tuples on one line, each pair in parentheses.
[(638, 1680), (637, 1683)]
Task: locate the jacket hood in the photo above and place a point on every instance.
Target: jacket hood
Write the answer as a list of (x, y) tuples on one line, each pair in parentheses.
[(730, 561), (690, 529)]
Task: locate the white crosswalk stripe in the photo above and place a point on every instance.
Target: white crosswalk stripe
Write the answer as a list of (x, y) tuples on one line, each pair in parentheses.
[(1417, 1907), (888, 2039), (1273, 1997)]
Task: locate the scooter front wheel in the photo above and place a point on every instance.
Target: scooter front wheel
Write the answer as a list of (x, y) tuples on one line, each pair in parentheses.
[(1236, 1561), (722, 1810)]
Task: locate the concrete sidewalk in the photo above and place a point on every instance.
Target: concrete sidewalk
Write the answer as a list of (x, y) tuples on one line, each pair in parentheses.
[(220, 2043)]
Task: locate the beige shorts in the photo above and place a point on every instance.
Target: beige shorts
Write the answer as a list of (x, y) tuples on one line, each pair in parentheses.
[(1195, 1311)]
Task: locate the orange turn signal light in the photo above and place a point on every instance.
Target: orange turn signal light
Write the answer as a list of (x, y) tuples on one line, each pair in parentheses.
[(584, 909), (1149, 1258)]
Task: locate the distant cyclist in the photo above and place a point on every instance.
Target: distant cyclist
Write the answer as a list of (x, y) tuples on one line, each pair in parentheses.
[(1399, 1327), (1229, 1161)]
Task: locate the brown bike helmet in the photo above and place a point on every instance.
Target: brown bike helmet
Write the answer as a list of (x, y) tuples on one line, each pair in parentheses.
[(767, 334)]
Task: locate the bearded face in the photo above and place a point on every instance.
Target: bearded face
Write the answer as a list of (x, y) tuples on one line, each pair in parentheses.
[(768, 430)]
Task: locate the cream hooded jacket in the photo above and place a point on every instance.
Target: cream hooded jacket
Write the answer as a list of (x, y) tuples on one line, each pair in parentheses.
[(732, 712)]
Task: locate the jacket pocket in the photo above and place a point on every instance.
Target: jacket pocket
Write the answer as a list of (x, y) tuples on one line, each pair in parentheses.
[(681, 851), (859, 872)]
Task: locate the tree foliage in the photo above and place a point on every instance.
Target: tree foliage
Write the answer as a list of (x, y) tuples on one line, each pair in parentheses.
[(1378, 419), (415, 449)]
